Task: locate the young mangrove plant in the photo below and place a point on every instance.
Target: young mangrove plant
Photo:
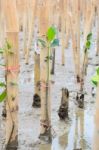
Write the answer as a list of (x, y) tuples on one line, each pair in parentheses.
[(47, 43), (80, 97)]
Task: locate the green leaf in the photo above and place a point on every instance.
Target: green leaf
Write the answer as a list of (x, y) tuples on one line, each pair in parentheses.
[(51, 33), (42, 43), (97, 71), (95, 79), (8, 45), (1, 51), (88, 44), (2, 65), (89, 36), (3, 96), (55, 43), (2, 84)]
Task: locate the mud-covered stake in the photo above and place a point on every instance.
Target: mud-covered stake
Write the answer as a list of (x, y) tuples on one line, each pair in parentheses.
[(53, 62), (63, 109), (80, 100)]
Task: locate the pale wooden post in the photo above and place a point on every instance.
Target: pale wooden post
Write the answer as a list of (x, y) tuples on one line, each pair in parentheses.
[(2, 24), (31, 10), (36, 97), (97, 52), (12, 64), (63, 14), (96, 131), (45, 131), (78, 10)]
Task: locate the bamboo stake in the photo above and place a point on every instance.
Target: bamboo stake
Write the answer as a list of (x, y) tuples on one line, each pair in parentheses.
[(85, 56), (63, 30), (32, 10), (97, 52), (78, 38), (12, 27), (96, 135), (2, 25), (45, 131), (36, 98), (74, 44)]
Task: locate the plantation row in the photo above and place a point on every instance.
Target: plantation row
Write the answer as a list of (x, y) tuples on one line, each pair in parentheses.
[(72, 20)]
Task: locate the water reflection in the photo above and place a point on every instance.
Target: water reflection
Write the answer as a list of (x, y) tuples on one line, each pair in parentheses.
[(78, 136), (45, 147)]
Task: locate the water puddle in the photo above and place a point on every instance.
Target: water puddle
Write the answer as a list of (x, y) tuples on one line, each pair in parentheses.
[(79, 136)]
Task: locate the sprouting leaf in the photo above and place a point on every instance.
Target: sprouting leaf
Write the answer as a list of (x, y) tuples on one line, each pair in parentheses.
[(42, 43), (89, 36), (3, 96), (55, 43), (51, 33), (2, 84), (88, 44)]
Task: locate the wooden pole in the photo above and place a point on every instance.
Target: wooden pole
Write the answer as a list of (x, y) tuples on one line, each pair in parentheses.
[(12, 29), (78, 38), (97, 52), (36, 97), (31, 16), (62, 3), (96, 135), (45, 132)]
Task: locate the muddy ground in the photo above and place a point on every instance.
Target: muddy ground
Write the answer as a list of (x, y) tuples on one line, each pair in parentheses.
[(78, 130)]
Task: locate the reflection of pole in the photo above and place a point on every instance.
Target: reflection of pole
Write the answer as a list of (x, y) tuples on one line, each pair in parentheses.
[(76, 133), (79, 129), (45, 147), (96, 134), (63, 141)]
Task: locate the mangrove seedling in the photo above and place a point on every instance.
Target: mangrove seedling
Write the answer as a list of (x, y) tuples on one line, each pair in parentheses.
[(84, 70), (47, 43)]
